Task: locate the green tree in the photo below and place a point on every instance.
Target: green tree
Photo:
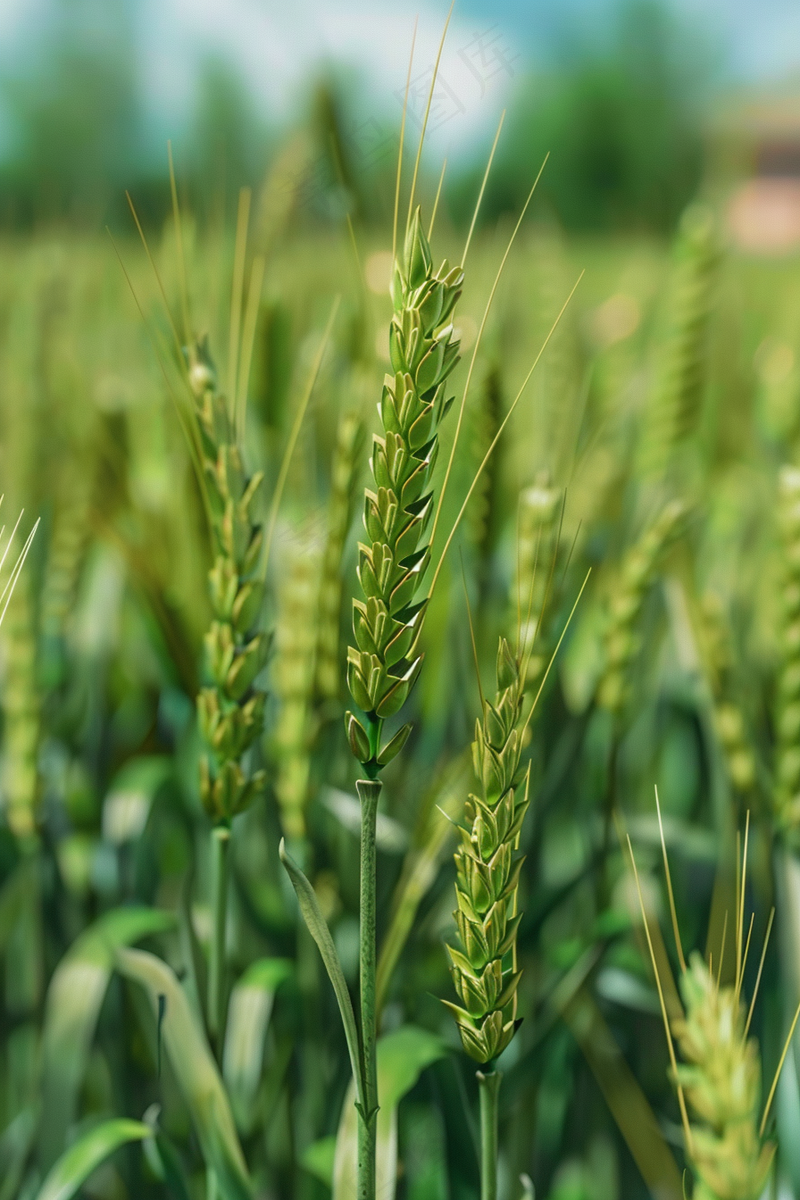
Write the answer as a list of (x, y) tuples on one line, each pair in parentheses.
[(620, 116)]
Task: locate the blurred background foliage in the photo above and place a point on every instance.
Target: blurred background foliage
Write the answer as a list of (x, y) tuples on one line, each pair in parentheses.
[(649, 446), (624, 108)]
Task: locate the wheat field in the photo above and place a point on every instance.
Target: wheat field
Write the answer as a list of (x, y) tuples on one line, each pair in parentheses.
[(192, 423)]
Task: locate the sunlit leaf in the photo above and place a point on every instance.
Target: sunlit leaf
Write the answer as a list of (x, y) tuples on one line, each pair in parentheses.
[(77, 1163), (249, 1010)]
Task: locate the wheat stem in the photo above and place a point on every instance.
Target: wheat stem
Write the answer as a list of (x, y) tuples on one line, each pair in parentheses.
[(489, 1092), (369, 791), (220, 844)]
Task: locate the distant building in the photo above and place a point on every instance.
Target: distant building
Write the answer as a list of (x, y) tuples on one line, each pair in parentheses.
[(756, 145)]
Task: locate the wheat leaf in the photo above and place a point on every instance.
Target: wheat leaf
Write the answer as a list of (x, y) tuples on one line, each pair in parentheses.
[(77, 1163), (195, 1071), (318, 928)]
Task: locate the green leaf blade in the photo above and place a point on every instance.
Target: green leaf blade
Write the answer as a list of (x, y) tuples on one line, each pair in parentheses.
[(195, 1071), (77, 1163)]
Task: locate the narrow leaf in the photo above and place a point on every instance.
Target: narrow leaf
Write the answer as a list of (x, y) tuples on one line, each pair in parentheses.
[(73, 1003), (402, 1056), (76, 1164), (318, 928), (195, 1071), (15, 1146), (249, 1011)]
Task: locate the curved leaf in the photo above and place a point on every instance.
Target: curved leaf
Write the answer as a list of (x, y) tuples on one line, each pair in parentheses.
[(73, 1003), (15, 1146), (249, 1010), (318, 928), (77, 1163), (195, 1070)]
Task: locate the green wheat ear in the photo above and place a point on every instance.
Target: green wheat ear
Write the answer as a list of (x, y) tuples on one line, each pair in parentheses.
[(230, 709), (341, 504), (537, 549), (487, 873), (674, 409), (384, 665), (730, 720), (22, 714), (721, 1079), (787, 722), (636, 576), (293, 678)]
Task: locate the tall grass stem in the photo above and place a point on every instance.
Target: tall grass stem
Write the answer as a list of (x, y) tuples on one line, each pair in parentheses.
[(369, 791), (220, 843), (489, 1090)]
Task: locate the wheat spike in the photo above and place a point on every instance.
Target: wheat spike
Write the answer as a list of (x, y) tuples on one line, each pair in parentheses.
[(729, 718), (719, 1077), (537, 546), (22, 714), (230, 709), (674, 407), (293, 679), (636, 575), (344, 477), (787, 715), (484, 970), (384, 665)]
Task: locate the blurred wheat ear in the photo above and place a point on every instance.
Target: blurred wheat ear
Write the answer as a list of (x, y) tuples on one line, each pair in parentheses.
[(673, 411), (20, 702), (719, 1080)]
